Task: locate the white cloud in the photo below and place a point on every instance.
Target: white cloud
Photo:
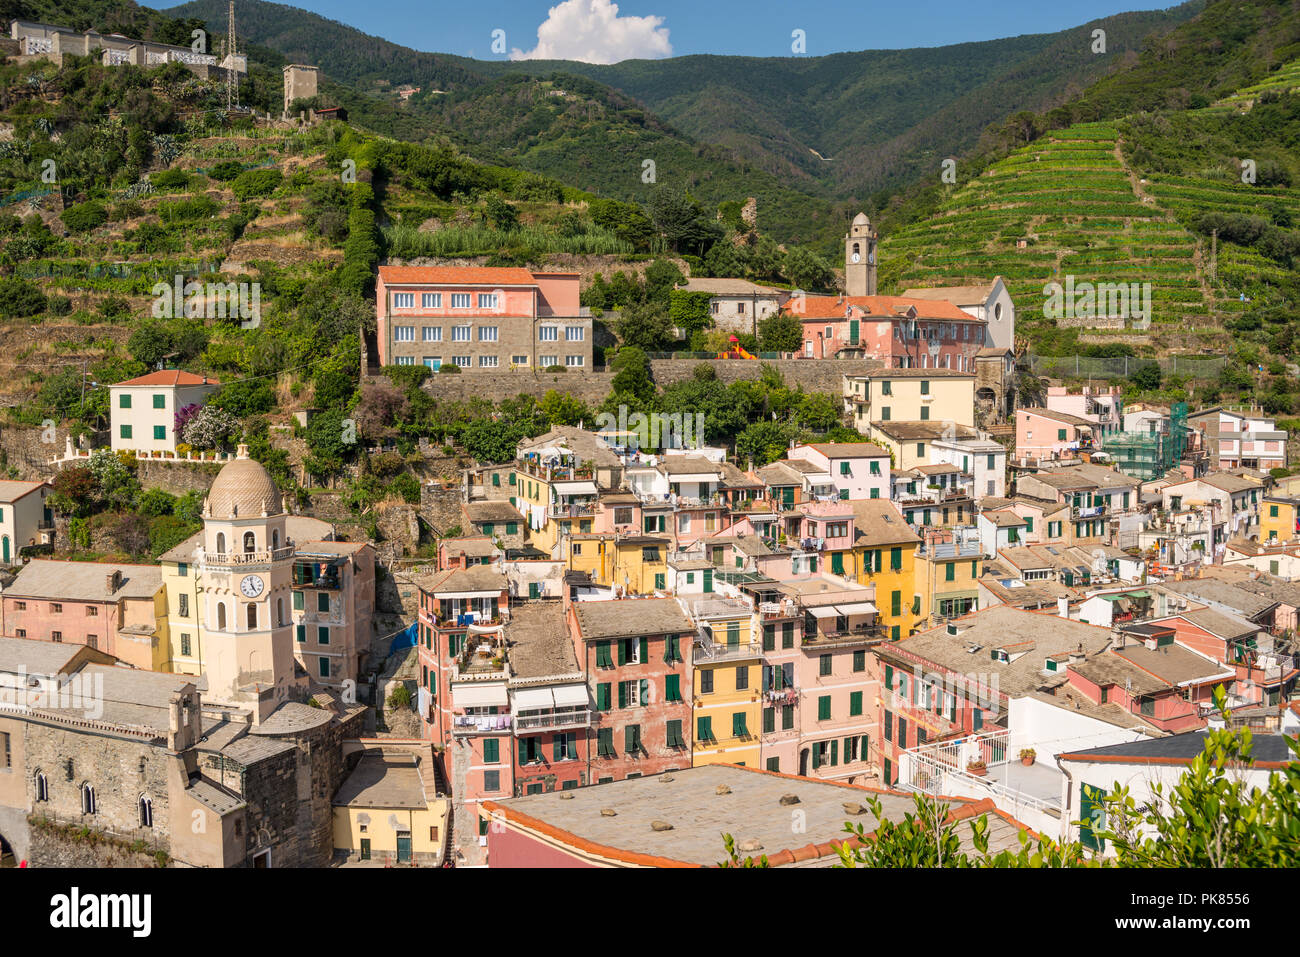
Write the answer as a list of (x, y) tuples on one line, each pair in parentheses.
[(592, 31)]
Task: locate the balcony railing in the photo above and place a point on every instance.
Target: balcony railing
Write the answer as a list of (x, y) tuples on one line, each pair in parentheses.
[(571, 510), (479, 723), (553, 719), (248, 558), (934, 768), (704, 651), (864, 632), (1089, 511)]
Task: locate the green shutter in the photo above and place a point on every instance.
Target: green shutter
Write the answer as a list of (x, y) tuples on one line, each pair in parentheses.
[(622, 694), (837, 563), (824, 708), (602, 697), (645, 691), (673, 687), (835, 751), (855, 703), (622, 652), (645, 650), (491, 751)]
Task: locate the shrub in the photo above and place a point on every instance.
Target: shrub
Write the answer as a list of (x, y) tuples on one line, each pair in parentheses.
[(254, 183), (170, 179), (84, 217), (407, 486), (449, 367), (19, 298), (187, 210), (225, 172), (400, 697), (59, 305)]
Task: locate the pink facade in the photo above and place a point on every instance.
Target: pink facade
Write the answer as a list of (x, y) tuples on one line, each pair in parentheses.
[(782, 630), (902, 333), (1040, 435), (836, 720), (1167, 710), (856, 476), (510, 848)]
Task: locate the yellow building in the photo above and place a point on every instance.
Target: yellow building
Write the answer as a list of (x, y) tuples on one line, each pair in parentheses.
[(1278, 518), (908, 395), (637, 564), (389, 810), (727, 678), (909, 442), (180, 576), (884, 554), (947, 579)]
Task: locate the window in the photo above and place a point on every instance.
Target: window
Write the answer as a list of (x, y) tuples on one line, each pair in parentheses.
[(124, 401), (824, 708), (324, 667), (925, 387), (487, 362), (672, 648), (574, 334), (20, 606), (322, 635), (491, 779), (530, 750), (634, 693), (125, 431), (185, 645), (605, 743), (704, 729), (6, 758), (403, 333), (859, 661), (487, 300), (574, 362), (706, 681), (825, 664), (632, 739), (487, 333), (519, 360), (787, 717), (322, 602), (42, 786), (146, 811), (87, 799), (742, 678), (675, 737), (1060, 435), (431, 334), (787, 634), (461, 333), (548, 333), (465, 362), (431, 300), (738, 727), (460, 300), (403, 300), (672, 687), (545, 362), (769, 720), (855, 703)]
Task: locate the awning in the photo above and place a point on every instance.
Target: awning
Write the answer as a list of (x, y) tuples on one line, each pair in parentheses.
[(857, 608), (570, 696), (533, 699), (574, 488), (825, 611), (479, 695)]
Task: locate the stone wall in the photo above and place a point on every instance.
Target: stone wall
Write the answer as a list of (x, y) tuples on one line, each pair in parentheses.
[(815, 375), (52, 845), (175, 477)]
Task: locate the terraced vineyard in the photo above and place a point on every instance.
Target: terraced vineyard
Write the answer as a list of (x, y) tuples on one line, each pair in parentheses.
[(1079, 211)]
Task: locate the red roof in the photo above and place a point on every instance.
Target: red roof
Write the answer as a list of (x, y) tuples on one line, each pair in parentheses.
[(834, 307), (457, 275), (171, 377)]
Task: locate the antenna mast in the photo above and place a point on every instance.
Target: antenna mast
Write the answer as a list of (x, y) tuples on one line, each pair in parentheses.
[(232, 80)]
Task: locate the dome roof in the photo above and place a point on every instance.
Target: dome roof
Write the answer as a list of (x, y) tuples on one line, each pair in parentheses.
[(242, 489), (861, 220)]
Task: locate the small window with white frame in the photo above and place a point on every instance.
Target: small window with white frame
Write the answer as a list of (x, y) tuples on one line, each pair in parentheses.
[(574, 334), (431, 334), (487, 362), (460, 300), (431, 300), (404, 333), (574, 362), (461, 333), (548, 333), (403, 300), (519, 360), (488, 300), (464, 362), (487, 333), (406, 360), (545, 362)]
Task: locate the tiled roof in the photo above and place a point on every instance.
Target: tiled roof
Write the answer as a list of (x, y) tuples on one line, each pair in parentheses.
[(878, 307), (457, 275), (169, 377)]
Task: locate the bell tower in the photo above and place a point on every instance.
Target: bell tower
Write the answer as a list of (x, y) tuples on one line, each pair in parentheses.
[(860, 257)]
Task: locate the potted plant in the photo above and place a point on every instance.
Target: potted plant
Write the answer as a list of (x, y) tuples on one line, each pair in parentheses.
[(1027, 756), (977, 768)]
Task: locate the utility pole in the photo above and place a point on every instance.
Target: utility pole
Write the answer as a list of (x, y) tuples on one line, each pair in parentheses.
[(232, 82), (1214, 255)]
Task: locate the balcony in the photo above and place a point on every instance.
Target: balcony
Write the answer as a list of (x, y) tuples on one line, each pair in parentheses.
[(1079, 512), (479, 723), (241, 559), (571, 509), (862, 632), (704, 652), (941, 769), (553, 720)]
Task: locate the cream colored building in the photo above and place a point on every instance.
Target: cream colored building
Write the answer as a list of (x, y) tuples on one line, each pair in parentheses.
[(907, 395), (143, 411), (24, 518), (391, 810)]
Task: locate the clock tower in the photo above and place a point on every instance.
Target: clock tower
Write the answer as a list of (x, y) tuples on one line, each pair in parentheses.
[(246, 590), (860, 257)]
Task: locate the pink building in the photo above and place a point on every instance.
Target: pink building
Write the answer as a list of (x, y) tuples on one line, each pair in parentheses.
[(480, 318), (1240, 439), (902, 333), (1044, 435)]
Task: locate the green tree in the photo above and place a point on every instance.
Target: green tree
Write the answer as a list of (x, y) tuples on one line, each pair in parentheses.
[(644, 325), (632, 375), (1147, 377), (780, 332), (563, 408)]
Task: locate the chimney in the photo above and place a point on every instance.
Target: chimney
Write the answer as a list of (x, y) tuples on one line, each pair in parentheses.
[(114, 580), (1063, 607)]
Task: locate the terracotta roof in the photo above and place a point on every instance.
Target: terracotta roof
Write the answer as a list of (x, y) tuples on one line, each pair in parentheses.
[(458, 275), (878, 307), (169, 377), (958, 295)]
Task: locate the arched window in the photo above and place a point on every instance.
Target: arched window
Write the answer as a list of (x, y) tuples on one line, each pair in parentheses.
[(279, 611), (221, 543), (221, 616), (42, 786), (275, 538), (87, 798), (146, 811), (252, 615), (250, 542)]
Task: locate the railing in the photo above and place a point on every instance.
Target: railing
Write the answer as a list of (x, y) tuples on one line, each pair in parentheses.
[(479, 723), (553, 719), (703, 651), (933, 768), (1089, 511), (248, 558), (856, 633), (571, 510)]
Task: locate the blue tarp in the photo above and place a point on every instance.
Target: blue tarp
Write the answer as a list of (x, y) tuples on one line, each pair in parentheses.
[(404, 639)]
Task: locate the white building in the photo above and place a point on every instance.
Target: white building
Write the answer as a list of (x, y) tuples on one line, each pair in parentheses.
[(982, 459), (990, 302), (738, 305), (24, 517), (143, 410), (858, 470)]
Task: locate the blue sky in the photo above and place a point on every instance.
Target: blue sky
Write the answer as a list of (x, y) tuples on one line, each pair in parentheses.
[(591, 30)]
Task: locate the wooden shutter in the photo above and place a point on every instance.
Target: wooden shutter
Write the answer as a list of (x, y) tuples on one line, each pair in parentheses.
[(622, 652), (645, 649), (622, 694), (835, 751), (602, 697)]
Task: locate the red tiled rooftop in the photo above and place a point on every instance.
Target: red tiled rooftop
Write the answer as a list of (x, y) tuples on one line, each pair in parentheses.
[(171, 377), (833, 307), (457, 275)]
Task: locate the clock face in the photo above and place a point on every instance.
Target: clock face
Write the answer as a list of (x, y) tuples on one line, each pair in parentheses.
[(251, 586), (856, 257)]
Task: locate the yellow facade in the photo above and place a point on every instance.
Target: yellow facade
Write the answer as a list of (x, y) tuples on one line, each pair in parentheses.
[(939, 397), (184, 655), (945, 584), (426, 826), (733, 710), (641, 565), (1277, 519), (892, 569)]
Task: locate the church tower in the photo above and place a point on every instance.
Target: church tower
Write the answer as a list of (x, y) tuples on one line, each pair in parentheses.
[(860, 257), (246, 584)]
